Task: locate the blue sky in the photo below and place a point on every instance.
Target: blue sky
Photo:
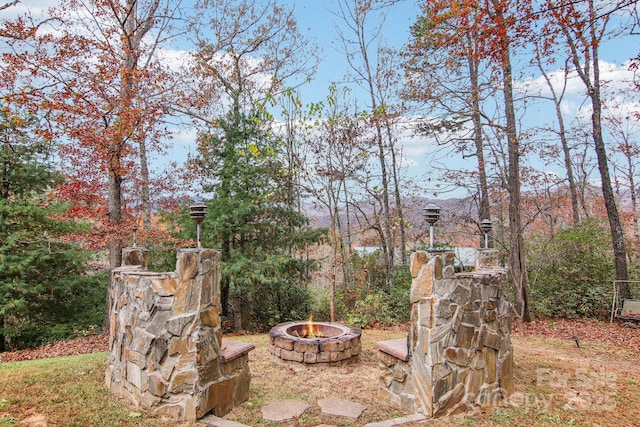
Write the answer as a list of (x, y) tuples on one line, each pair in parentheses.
[(317, 19)]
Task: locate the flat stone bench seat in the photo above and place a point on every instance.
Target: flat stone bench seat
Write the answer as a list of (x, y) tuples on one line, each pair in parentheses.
[(396, 348), (233, 349)]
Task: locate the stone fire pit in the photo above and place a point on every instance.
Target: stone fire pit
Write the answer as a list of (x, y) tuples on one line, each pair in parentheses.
[(315, 343)]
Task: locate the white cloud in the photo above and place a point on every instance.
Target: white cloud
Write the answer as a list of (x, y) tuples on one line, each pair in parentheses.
[(568, 107), (35, 7), (414, 144), (185, 137), (613, 77)]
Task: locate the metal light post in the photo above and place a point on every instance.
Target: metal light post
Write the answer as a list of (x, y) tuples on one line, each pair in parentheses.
[(135, 233), (431, 215), (485, 226), (197, 212)]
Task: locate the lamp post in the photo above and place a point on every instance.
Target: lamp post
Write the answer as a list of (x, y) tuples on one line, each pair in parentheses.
[(431, 215), (135, 233), (485, 226), (197, 212)]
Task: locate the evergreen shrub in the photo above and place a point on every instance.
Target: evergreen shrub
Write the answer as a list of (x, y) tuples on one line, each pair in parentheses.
[(572, 275)]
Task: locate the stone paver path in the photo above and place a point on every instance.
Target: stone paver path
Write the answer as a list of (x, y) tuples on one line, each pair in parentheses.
[(285, 410), (341, 407), (290, 409)]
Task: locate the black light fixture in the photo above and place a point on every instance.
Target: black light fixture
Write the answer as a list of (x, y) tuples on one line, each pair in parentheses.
[(197, 212), (485, 226), (431, 215)]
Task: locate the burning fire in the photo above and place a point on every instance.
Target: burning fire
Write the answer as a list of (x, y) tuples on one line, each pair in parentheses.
[(310, 330)]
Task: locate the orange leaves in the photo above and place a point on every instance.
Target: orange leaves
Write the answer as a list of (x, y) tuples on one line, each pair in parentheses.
[(492, 25), (101, 88)]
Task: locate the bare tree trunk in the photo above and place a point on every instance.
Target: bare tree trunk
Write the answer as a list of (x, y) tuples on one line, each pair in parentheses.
[(634, 199), (144, 186), (115, 213), (590, 46), (484, 211), (516, 241), (335, 237), (615, 224), (566, 152), (115, 241)]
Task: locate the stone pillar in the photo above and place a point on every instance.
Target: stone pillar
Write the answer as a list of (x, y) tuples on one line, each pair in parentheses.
[(459, 343), (166, 351)]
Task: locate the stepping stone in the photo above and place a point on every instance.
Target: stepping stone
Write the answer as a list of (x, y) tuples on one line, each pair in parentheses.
[(341, 407), (283, 411)]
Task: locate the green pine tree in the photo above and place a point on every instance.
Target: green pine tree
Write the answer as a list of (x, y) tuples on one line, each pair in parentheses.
[(250, 219), (45, 293)]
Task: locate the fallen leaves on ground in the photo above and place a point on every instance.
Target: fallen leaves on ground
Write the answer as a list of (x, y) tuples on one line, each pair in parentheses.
[(82, 345), (615, 334)]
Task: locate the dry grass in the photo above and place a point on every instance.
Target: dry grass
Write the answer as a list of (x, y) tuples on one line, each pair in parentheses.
[(272, 382), (557, 384)]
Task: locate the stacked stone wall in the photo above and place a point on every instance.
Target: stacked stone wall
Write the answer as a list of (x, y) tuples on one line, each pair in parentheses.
[(166, 348), (458, 354)]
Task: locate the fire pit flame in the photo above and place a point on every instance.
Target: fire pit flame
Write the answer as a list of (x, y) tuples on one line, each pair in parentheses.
[(310, 331)]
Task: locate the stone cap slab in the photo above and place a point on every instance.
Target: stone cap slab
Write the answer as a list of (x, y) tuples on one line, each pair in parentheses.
[(396, 348), (233, 349)]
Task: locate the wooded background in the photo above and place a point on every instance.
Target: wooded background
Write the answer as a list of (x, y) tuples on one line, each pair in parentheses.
[(93, 91)]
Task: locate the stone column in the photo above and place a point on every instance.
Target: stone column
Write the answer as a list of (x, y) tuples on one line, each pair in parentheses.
[(459, 342), (166, 337)]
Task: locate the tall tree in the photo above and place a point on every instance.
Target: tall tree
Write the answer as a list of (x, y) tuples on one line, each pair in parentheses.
[(44, 288), (332, 152), (249, 219), (557, 96), (448, 75), (247, 54), (92, 67), (491, 26), (369, 67), (583, 27), (500, 15)]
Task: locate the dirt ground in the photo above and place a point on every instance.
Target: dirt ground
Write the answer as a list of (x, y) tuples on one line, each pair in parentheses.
[(594, 382), (558, 382)]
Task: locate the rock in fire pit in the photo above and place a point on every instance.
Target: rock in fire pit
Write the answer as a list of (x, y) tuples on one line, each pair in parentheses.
[(315, 343)]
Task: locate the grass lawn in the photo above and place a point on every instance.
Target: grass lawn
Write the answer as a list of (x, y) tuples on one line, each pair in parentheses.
[(557, 384)]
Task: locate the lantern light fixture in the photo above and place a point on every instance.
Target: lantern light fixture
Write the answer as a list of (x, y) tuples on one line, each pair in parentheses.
[(485, 226), (197, 212), (431, 215)]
